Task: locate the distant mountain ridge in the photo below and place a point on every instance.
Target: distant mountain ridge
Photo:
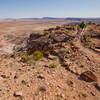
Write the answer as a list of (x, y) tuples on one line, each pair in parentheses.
[(54, 18)]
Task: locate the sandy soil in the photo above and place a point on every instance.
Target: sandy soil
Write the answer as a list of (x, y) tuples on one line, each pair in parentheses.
[(16, 32), (21, 81)]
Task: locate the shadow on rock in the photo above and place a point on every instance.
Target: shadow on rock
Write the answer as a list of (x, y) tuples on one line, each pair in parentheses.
[(88, 76), (97, 86)]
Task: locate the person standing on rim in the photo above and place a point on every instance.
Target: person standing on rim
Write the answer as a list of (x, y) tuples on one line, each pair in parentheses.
[(81, 29)]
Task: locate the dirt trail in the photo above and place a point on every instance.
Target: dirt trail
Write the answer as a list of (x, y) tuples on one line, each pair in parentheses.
[(92, 55)]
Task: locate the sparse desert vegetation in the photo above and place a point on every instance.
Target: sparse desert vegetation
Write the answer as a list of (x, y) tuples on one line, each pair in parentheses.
[(47, 62)]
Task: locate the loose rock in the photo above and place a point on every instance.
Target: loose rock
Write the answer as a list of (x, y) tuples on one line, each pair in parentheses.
[(41, 76), (97, 86), (18, 94), (88, 76)]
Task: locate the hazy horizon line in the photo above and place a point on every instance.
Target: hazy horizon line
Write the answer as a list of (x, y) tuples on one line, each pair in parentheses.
[(44, 17)]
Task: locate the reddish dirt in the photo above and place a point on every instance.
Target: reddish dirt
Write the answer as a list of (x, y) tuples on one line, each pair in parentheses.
[(22, 81)]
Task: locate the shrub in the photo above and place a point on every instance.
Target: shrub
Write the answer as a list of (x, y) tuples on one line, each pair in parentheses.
[(84, 94), (91, 30), (88, 44), (37, 55), (24, 58), (27, 59), (91, 23), (57, 27), (64, 64), (50, 29), (62, 51), (53, 65), (60, 97), (71, 41), (46, 32)]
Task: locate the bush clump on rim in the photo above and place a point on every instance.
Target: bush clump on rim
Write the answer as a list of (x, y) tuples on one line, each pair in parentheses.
[(27, 59), (53, 65), (37, 55), (46, 32), (57, 27)]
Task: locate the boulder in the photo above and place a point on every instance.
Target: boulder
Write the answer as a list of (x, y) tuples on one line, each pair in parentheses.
[(88, 76), (45, 43)]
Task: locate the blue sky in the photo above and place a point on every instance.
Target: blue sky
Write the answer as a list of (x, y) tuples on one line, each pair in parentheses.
[(49, 8)]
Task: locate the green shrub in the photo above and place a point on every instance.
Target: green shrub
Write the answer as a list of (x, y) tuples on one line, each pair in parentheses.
[(27, 59), (46, 32), (53, 65), (24, 58), (60, 97), (37, 55), (64, 64)]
